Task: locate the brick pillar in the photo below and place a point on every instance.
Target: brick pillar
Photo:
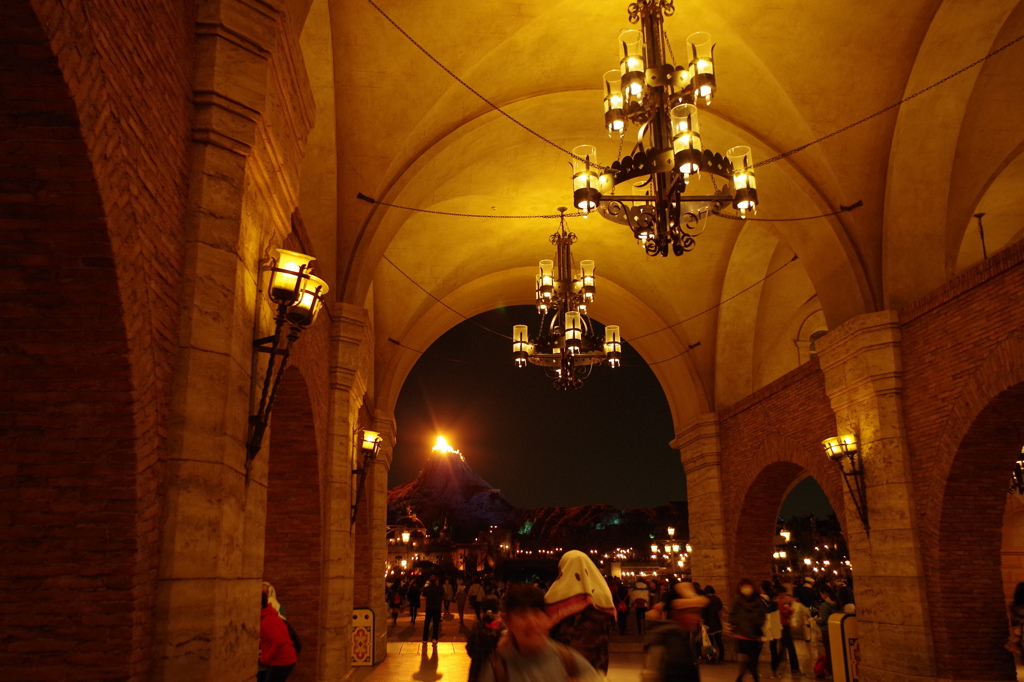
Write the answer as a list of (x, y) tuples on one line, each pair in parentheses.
[(350, 362), (700, 450), (863, 379), (371, 559), (206, 618)]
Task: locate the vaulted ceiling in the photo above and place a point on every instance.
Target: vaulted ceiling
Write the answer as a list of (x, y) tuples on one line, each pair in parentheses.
[(391, 124)]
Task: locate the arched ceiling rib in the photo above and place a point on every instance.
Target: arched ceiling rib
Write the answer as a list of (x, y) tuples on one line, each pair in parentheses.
[(408, 134)]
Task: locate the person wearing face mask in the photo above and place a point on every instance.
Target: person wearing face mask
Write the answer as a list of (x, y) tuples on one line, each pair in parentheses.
[(747, 616)]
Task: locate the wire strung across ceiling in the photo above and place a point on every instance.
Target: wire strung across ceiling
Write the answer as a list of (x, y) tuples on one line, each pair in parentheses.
[(635, 338), (773, 159), (578, 214)]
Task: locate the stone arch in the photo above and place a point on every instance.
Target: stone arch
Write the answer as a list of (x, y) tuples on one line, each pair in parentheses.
[(293, 541), (79, 490), (984, 438), (976, 491), (678, 377), (774, 465), (918, 260)]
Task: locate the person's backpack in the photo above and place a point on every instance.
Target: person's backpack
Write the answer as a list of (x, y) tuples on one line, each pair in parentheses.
[(622, 606), (296, 642)]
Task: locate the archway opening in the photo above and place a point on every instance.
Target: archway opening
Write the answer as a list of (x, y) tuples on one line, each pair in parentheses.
[(810, 541), (602, 450), (978, 537), (80, 541)]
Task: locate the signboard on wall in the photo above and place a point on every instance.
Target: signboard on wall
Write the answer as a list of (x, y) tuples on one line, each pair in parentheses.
[(362, 636)]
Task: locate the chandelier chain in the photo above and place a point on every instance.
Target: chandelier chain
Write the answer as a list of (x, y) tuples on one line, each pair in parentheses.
[(970, 66), (635, 338)]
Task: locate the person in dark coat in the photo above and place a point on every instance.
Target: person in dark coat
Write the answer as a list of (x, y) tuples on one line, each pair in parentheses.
[(433, 595), (747, 616), (484, 637), (712, 616), (413, 595)]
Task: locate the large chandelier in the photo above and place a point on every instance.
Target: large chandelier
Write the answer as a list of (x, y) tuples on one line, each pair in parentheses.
[(660, 101), (566, 343)]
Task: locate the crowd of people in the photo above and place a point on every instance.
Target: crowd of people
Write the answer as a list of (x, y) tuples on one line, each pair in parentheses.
[(683, 623)]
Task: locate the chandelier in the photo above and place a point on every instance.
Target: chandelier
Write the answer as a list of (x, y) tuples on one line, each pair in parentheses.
[(566, 343), (660, 101)]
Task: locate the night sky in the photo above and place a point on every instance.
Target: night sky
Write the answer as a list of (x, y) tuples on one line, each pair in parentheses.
[(606, 443)]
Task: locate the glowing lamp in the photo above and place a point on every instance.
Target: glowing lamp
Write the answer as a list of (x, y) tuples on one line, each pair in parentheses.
[(520, 344), (671, 531), (311, 296), (686, 144), (613, 347), (370, 441), (702, 65), (585, 192), (587, 280), (631, 64), (838, 447), (614, 118), (744, 184), (573, 331), (545, 282), (286, 273)]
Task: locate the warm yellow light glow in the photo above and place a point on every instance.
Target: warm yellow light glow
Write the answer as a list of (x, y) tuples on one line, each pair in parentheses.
[(283, 286), (671, 532), (370, 440), (442, 446)]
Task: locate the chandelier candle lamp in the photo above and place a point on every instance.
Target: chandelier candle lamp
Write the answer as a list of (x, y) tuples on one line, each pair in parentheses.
[(660, 100), (566, 343)]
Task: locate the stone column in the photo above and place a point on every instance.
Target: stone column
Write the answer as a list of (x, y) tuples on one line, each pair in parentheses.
[(863, 379), (350, 363), (376, 501), (700, 451), (206, 619)]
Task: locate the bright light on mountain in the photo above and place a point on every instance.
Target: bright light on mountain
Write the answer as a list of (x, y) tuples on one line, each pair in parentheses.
[(442, 446)]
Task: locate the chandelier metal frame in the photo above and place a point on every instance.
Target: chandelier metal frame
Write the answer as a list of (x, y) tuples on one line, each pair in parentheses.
[(566, 343), (660, 100)]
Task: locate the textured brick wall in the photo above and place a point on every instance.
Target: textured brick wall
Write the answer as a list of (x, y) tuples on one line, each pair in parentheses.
[(769, 441), (298, 441), (94, 119), (963, 350), (293, 553)]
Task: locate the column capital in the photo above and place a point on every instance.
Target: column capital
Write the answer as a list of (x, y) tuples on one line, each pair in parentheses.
[(699, 442), (352, 344), (861, 358)]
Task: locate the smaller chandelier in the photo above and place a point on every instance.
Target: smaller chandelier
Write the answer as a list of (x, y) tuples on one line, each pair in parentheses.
[(659, 99), (566, 343)]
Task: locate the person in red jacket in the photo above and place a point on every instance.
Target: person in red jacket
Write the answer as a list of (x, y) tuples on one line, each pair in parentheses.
[(277, 652)]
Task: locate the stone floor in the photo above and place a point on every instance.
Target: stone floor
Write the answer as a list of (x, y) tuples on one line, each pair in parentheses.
[(409, 659)]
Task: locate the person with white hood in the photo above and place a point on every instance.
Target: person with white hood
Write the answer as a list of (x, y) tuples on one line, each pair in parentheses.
[(640, 600), (579, 604)]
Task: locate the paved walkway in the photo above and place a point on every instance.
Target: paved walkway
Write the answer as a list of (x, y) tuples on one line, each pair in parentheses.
[(409, 659)]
